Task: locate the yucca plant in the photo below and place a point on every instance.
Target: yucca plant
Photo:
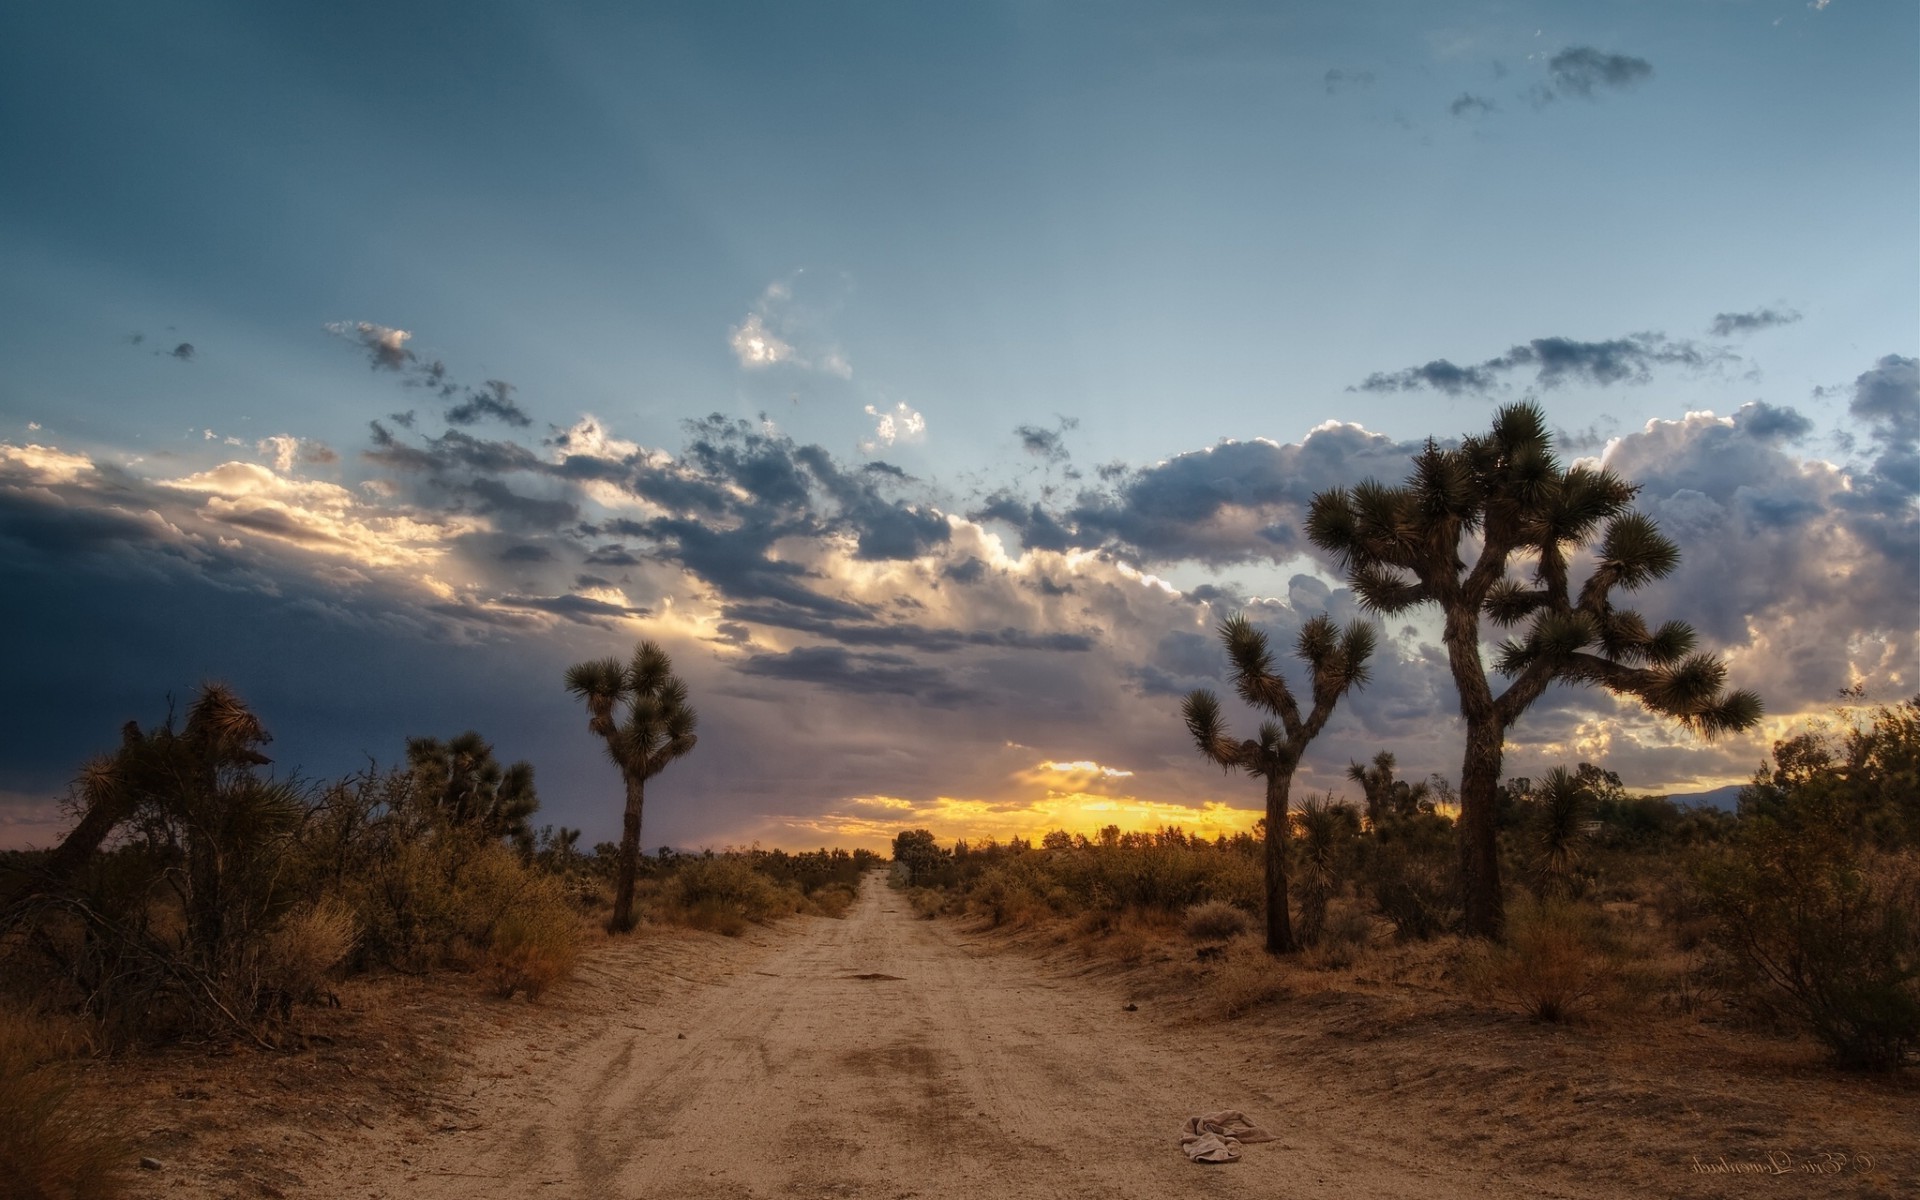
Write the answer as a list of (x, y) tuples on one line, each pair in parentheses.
[(1338, 663), (1449, 535), (640, 710), (1561, 806), (1326, 830)]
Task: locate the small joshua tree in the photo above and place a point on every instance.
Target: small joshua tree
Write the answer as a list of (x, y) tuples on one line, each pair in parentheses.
[(1388, 798), (655, 728), (1339, 663)]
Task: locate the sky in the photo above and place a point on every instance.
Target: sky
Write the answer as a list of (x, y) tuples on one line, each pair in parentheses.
[(929, 380)]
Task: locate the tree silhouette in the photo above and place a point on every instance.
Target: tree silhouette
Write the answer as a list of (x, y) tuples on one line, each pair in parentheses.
[(164, 768), (1338, 662), (460, 781), (640, 710), (1388, 798), (1448, 537)]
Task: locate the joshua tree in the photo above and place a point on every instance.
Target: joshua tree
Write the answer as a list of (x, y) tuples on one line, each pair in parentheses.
[(460, 780), (161, 768), (655, 728), (1448, 536), (1388, 798), (1339, 663)]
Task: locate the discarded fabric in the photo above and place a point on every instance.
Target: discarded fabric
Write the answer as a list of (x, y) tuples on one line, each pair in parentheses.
[(1216, 1137)]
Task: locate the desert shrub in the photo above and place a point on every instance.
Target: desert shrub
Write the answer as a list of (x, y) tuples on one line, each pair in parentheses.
[(1009, 894), (1827, 938), (535, 942), (1245, 982), (51, 1146), (708, 887), (1558, 957), (307, 944), (832, 900), (927, 903), (1412, 885), (1215, 921), (1344, 939)]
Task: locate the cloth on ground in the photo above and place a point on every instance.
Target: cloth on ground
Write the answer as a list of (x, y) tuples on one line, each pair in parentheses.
[(1216, 1137)]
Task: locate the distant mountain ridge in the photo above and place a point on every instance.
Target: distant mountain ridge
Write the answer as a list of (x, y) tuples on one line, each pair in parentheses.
[(1727, 798)]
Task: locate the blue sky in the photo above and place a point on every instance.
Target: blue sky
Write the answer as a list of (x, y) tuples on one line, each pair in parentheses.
[(903, 235)]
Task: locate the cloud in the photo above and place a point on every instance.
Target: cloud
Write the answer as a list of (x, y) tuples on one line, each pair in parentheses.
[(900, 423), (386, 349), (285, 450), (492, 401), (1800, 568), (1579, 70), (865, 674), (1553, 361), (755, 347), (386, 346), (1728, 324), (1468, 104), (820, 608), (782, 330), (184, 352)]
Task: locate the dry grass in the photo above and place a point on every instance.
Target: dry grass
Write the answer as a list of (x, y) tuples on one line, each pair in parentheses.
[(1245, 981), (1215, 921), (52, 1146), (307, 945), (1558, 959)]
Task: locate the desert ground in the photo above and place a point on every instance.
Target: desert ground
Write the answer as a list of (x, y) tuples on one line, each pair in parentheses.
[(884, 1056)]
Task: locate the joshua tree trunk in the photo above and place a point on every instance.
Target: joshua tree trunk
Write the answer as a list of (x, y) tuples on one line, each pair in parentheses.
[(623, 920), (1483, 907), (1279, 922), (1484, 914)]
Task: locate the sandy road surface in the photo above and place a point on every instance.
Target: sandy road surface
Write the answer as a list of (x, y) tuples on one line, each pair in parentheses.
[(968, 1074)]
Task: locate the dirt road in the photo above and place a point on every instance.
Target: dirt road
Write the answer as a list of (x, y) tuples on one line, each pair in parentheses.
[(877, 1056)]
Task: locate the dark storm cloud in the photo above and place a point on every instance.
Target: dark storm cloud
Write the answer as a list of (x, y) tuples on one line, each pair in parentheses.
[(1236, 502), (526, 553), (1553, 361), (865, 674), (494, 498), (1762, 420), (184, 352), (1038, 528), (491, 401), (582, 609), (1467, 104), (1887, 398), (1728, 324), (1579, 70)]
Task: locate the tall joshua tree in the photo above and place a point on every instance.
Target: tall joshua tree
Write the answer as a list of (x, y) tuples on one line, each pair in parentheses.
[(640, 709), (1339, 663), (1450, 535)]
